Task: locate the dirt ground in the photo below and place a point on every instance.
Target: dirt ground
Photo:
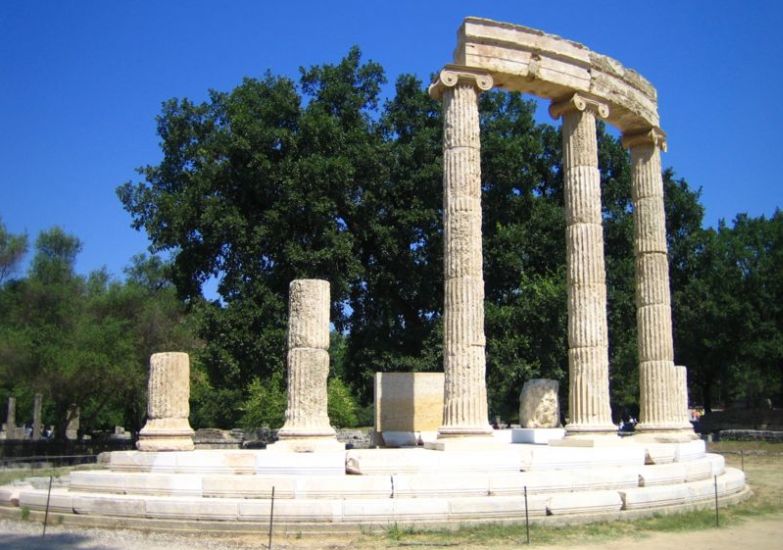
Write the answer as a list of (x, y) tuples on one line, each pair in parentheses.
[(763, 533)]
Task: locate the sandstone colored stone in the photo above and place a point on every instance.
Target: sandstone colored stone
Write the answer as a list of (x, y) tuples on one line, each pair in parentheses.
[(307, 427), (408, 402), (539, 406), (37, 425), (308, 314), (465, 398), (167, 427), (588, 404)]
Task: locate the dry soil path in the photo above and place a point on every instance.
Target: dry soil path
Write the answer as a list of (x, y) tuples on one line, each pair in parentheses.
[(764, 533)]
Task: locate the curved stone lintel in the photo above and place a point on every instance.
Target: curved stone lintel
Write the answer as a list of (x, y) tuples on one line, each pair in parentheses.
[(531, 61), (578, 102), (652, 136), (451, 75)]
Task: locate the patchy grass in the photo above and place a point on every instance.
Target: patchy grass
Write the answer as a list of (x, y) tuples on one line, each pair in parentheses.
[(763, 467), (10, 475)]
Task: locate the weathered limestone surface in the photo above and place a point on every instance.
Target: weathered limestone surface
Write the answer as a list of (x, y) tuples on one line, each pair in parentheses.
[(168, 407), (12, 431), (588, 355), (529, 60), (681, 383), (72, 429), (538, 404), (661, 398), (308, 362), (408, 401), (464, 362), (37, 426)]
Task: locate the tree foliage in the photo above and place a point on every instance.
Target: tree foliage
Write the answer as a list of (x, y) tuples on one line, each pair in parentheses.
[(322, 178)]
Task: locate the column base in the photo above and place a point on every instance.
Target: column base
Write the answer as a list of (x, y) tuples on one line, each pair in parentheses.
[(664, 434), (466, 443), (307, 445), (589, 435), (304, 433), (166, 434)]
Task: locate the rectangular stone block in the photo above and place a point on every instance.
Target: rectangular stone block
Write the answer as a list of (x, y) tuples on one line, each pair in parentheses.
[(536, 436), (417, 510), (442, 485), (60, 501), (293, 511), (136, 483), (109, 505), (664, 474), (259, 487), (293, 463), (135, 461), (654, 497), (696, 470), (221, 509), (691, 450), (497, 507), (345, 487), (408, 402), (563, 458), (592, 502)]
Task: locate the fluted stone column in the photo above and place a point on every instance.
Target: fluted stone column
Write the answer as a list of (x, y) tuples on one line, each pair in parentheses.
[(681, 381), (660, 396), (37, 405), (588, 355), (11, 431), (464, 363), (168, 407), (306, 417)]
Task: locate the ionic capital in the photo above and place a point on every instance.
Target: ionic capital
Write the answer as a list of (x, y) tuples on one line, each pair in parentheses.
[(652, 136), (578, 102), (451, 75)]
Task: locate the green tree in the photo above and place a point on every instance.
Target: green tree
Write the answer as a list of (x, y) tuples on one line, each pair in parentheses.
[(12, 250)]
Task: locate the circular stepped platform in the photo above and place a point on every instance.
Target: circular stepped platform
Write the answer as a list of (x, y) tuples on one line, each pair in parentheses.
[(232, 489)]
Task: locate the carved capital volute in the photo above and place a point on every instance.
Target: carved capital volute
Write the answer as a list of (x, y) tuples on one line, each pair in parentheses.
[(652, 136), (451, 75), (578, 102)]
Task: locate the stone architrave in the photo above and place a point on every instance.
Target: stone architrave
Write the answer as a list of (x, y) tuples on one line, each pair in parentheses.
[(307, 426), (465, 410), (538, 404), (37, 426), (588, 353), (660, 397), (72, 428), (168, 407)]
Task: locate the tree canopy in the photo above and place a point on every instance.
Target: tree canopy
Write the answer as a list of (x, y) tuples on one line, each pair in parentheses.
[(326, 177)]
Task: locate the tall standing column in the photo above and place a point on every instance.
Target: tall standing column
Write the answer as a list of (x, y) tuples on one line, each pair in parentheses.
[(659, 398), (37, 405), (588, 353), (308, 362), (168, 406), (464, 363), (10, 423)]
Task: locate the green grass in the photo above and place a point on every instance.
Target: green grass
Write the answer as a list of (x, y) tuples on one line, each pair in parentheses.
[(763, 467), (14, 474)]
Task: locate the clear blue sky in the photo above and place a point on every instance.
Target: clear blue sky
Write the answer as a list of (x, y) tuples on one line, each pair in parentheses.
[(81, 83)]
